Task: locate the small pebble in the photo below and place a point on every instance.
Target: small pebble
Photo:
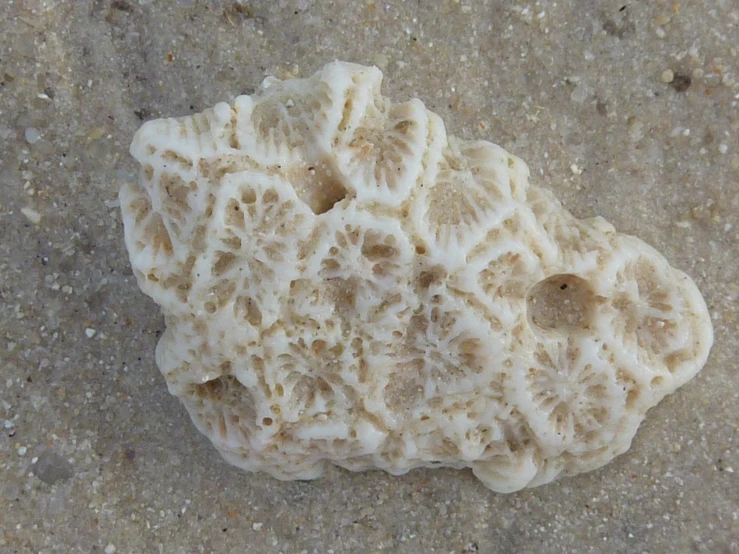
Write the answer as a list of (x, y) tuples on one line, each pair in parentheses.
[(96, 133), (32, 215), (22, 451), (636, 129), (667, 76), (579, 95), (257, 526), (32, 135), (380, 60), (110, 549), (52, 468), (90, 333)]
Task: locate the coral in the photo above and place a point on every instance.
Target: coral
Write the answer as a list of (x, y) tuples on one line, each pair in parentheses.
[(345, 283)]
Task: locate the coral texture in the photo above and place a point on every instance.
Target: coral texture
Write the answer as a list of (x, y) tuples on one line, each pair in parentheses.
[(345, 283)]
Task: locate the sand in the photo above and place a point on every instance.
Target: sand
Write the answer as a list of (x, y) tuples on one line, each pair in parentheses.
[(625, 110)]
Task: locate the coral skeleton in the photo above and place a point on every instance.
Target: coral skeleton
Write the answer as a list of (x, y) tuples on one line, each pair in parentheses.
[(343, 282)]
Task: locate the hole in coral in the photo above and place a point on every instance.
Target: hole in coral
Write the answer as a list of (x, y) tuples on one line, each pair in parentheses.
[(246, 308), (222, 291), (270, 196), (346, 115), (267, 421), (232, 242), (224, 262), (233, 138), (175, 157), (141, 207), (512, 225), (198, 239), (434, 276), (234, 215), (317, 347), (324, 388), (220, 388), (631, 398), (331, 265), (676, 360), (318, 185), (656, 382), (561, 303), (375, 252), (177, 192), (157, 236), (248, 196)]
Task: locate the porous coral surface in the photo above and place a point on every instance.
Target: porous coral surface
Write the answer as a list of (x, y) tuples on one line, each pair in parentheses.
[(344, 282)]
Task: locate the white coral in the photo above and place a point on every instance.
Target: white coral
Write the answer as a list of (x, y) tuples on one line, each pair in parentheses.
[(343, 282)]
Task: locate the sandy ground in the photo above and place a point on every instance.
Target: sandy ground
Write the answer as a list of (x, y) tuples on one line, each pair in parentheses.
[(624, 109)]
